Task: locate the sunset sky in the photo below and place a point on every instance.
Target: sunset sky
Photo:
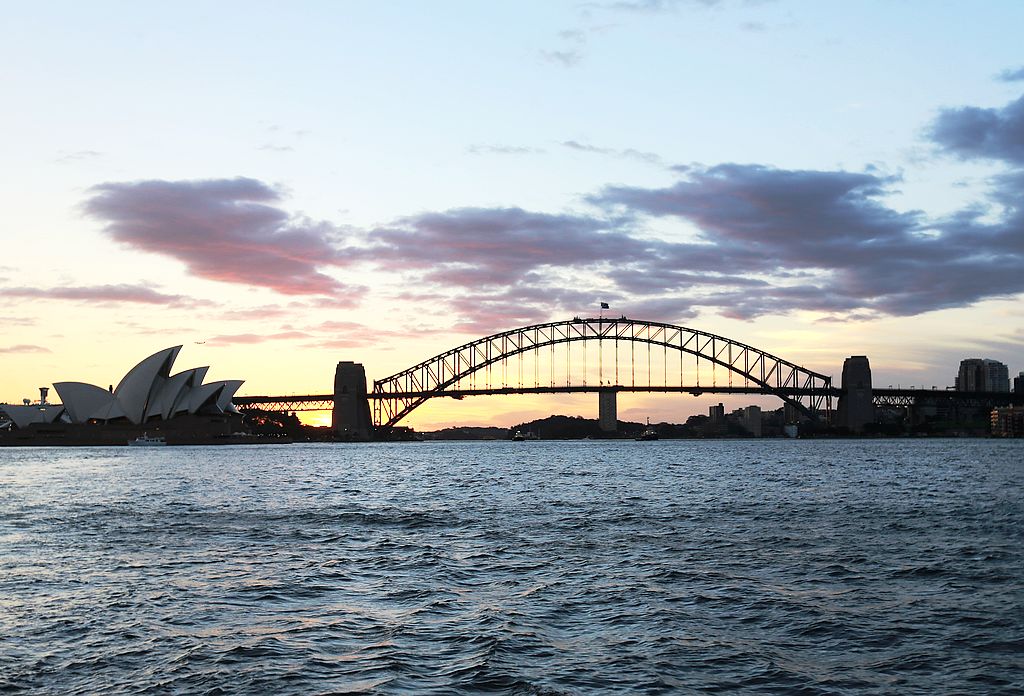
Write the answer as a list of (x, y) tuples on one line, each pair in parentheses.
[(280, 187)]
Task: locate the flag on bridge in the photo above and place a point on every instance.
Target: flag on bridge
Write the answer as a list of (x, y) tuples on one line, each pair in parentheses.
[(604, 305)]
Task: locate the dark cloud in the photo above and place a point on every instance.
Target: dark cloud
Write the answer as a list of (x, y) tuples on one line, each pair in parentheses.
[(222, 229), (497, 246), (656, 278), (971, 132), (490, 314), (670, 310), (748, 304), (1011, 75), (103, 293), (850, 252), (529, 301), (759, 205), (769, 241)]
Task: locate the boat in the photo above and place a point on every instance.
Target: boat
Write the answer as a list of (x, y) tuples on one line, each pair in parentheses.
[(649, 433), (518, 436), (145, 441)]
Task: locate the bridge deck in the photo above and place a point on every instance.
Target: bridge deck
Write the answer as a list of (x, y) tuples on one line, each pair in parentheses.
[(325, 402)]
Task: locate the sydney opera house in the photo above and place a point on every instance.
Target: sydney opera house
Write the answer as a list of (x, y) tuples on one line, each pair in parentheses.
[(149, 399)]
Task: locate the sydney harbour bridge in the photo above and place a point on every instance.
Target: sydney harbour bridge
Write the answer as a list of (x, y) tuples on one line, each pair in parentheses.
[(600, 355)]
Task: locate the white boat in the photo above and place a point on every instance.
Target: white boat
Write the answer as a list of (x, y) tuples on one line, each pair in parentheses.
[(145, 441)]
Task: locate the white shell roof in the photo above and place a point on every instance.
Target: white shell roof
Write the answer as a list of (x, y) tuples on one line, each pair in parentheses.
[(148, 391), (23, 416), (199, 396), (82, 400), (230, 387), (143, 382)]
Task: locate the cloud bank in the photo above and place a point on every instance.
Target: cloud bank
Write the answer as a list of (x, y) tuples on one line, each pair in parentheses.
[(762, 240)]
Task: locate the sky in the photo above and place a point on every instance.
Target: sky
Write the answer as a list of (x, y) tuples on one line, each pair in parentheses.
[(278, 188)]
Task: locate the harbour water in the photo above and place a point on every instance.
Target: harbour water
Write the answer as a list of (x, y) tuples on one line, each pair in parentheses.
[(849, 567)]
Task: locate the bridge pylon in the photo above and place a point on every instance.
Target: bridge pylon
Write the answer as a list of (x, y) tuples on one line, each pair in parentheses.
[(607, 411), (856, 408)]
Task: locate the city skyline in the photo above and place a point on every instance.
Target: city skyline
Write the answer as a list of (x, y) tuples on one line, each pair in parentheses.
[(280, 189)]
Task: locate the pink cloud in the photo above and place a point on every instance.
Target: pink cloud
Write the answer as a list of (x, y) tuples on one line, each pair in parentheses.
[(227, 230), (251, 338), (104, 293)]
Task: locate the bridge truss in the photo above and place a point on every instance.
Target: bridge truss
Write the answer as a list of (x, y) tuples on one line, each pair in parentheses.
[(286, 404), (623, 356)]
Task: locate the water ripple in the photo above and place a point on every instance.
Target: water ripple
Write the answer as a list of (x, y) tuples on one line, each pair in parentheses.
[(868, 567)]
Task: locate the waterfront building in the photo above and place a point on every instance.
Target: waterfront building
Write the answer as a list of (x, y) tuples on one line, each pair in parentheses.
[(717, 413), (751, 420), (21, 416), (147, 397), (1008, 421), (984, 375)]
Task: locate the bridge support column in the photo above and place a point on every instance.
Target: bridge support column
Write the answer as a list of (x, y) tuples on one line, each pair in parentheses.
[(350, 418), (607, 410), (856, 408)]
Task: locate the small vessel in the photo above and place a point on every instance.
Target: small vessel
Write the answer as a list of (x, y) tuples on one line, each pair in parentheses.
[(518, 436), (145, 441), (649, 433)]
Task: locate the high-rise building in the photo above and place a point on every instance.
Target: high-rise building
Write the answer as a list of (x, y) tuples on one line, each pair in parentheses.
[(984, 375), (752, 420), (1018, 383), (716, 413)]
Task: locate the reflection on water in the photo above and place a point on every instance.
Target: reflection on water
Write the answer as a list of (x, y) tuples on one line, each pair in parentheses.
[(541, 567)]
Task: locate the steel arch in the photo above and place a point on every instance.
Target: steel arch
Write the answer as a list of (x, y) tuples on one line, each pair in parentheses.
[(398, 395)]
